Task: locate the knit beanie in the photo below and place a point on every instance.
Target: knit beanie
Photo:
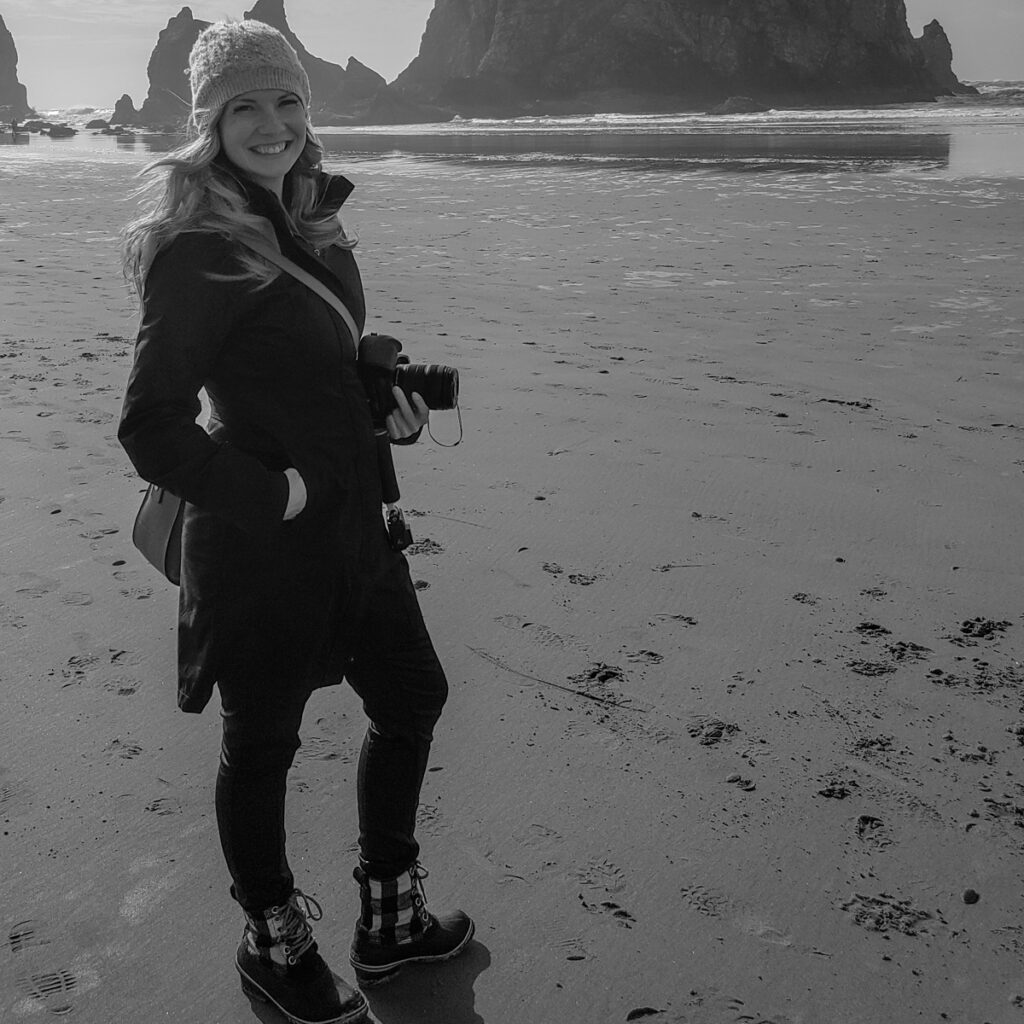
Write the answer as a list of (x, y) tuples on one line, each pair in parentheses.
[(232, 57)]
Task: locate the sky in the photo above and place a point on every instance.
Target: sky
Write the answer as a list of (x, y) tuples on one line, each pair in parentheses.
[(89, 52)]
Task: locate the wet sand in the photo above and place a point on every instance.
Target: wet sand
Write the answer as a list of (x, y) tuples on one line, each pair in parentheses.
[(726, 575)]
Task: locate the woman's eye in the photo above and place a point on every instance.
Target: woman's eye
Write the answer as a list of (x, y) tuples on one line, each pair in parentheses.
[(289, 101)]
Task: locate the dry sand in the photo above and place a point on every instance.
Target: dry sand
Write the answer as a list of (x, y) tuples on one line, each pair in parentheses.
[(726, 576)]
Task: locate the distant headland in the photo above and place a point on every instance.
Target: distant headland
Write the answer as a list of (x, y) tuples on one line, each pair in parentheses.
[(507, 58)]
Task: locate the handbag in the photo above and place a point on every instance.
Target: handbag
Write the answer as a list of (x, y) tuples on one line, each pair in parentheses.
[(157, 531)]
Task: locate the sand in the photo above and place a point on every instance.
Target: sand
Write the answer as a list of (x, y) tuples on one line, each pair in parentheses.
[(726, 575)]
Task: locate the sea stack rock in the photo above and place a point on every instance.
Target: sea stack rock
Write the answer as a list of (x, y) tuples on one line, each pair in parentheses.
[(170, 95), (125, 112), (512, 56), (13, 95), (937, 52), (354, 94), (326, 80)]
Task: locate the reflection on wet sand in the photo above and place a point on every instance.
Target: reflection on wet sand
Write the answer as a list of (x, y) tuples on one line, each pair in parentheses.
[(799, 151), (731, 150)]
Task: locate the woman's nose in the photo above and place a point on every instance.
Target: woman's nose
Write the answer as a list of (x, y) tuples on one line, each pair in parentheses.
[(270, 120)]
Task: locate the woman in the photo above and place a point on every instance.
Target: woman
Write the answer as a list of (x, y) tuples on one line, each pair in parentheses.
[(288, 580)]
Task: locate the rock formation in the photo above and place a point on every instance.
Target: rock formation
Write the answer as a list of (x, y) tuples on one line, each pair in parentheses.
[(937, 52), (13, 95), (353, 94), (573, 55), (170, 95), (125, 112)]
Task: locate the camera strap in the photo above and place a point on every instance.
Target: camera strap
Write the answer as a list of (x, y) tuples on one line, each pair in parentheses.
[(278, 258)]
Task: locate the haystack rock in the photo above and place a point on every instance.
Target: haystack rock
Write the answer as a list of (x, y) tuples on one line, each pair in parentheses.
[(124, 111), (13, 95), (170, 95), (937, 52), (509, 56), (353, 94)]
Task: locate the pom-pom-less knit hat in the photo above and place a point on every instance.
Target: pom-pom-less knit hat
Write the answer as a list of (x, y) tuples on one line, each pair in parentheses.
[(232, 57)]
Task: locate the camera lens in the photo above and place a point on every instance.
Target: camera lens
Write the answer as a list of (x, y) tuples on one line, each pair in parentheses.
[(437, 385)]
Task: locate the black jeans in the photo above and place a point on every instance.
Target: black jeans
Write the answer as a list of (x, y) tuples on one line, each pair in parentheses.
[(395, 671)]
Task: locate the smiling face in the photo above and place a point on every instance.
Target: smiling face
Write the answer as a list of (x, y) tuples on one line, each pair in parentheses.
[(262, 133)]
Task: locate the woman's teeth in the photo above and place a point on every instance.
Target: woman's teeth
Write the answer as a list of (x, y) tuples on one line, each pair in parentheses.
[(272, 149)]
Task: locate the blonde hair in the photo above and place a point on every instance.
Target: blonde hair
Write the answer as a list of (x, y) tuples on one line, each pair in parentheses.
[(197, 193)]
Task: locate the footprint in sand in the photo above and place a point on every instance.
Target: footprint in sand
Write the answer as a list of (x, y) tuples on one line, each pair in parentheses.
[(36, 586), (763, 931), (123, 750), (583, 579), (573, 949), (872, 629), (537, 631), (601, 876), (164, 806), (27, 935), (645, 657), (871, 669), (705, 901), (53, 989), (711, 731), (885, 913), (15, 796), (425, 547), (10, 619), (540, 836), (620, 915), (123, 686), (323, 748), (872, 832), (45, 988)]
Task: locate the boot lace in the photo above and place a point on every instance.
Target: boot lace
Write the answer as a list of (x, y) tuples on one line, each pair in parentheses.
[(293, 929), (419, 894)]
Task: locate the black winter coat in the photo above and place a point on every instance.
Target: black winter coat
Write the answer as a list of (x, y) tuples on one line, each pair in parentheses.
[(260, 597)]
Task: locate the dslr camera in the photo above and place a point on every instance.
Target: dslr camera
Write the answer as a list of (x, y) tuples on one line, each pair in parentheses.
[(381, 366)]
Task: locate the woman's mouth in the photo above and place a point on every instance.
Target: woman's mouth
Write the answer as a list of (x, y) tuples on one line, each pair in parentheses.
[(270, 149)]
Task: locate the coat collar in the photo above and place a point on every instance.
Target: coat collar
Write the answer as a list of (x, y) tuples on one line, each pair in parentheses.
[(331, 192)]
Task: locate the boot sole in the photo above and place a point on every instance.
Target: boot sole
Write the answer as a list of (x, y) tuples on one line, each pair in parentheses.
[(253, 991), (370, 976)]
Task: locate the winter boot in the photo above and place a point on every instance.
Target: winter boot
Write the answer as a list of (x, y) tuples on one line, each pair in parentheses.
[(280, 965), (395, 927)]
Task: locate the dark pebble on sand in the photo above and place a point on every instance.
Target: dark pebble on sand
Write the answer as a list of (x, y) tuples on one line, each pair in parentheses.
[(970, 896)]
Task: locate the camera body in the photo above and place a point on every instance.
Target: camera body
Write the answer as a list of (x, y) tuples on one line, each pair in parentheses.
[(381, 366)]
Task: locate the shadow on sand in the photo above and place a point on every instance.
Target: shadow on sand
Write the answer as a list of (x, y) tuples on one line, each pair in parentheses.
[(427, 994)]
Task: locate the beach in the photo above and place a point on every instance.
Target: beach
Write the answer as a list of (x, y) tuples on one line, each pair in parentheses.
[(725, 574)]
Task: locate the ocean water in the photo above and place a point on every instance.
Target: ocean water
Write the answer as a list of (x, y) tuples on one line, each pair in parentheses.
[(959, 137)]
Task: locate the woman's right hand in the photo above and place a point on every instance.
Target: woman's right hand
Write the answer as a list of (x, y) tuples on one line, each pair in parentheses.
[(407, 419)]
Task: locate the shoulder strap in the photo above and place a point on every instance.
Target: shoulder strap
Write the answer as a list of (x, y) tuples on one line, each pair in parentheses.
[(275, 256)]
